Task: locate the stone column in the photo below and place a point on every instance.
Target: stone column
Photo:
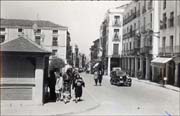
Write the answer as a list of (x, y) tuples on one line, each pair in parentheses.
[(132, 66), (176, 74), (153, 76), (147, 68), (39, 80), (141, 66), (109, 66), (128, 69), (136, 66), (123, 62), (167, 71)]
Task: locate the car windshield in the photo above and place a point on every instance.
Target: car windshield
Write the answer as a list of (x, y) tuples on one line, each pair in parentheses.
[(120, 73)]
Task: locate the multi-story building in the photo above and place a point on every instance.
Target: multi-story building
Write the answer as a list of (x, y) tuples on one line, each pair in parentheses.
[(49, 35), (140, 37), (111, 38), (94, 53), (168, 62)]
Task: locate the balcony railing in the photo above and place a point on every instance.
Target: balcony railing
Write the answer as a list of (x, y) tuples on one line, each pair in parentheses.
[(129, 34), (130, 18), (145, 50), (169, 50), (143, 10), (115, 24)]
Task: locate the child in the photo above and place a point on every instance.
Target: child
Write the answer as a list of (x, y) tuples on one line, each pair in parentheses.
[(78, 84), (58, 86)]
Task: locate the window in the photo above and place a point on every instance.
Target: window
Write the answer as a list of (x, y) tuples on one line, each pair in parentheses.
[(20, 30), (150, 5), (164, 20), (38, 39), (116, 20), (171, 43), (55, 41), (38, 31), (2, 29), (2, 38), (116, 34), (164, 4), (130, 45), (163, 43), (171, 20), (55, 31), (115, 49), (54, 52)]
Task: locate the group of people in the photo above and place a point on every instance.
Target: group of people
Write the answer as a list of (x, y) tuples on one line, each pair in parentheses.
[(60, 85), (98, 74)]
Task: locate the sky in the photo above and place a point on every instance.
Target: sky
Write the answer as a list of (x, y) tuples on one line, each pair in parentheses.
[(83, 18)]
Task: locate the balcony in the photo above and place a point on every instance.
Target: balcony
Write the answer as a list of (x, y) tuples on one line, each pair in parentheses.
[(169, 50), (132, 33), (129, 19), (145, 50), (117, 24)]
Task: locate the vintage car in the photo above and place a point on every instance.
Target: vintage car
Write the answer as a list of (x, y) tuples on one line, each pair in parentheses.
[(119, 77)]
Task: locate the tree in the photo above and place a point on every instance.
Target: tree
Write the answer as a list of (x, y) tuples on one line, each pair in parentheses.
[(56, 63)]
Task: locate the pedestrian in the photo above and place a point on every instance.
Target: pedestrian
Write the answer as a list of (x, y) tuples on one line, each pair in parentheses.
[(77, 86), (66, 88), (95, 77), (100, 75), (58, 86), (52, 82)]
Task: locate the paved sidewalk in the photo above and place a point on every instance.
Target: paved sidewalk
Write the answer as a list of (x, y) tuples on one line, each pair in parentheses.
[(153, 83), (157, 84), (52, 108)]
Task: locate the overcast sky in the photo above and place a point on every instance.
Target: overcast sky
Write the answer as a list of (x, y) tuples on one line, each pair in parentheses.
[(83, 18)]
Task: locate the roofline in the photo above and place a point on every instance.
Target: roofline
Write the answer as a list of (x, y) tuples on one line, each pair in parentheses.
[(28, 39), (34, 21), (30, 27)]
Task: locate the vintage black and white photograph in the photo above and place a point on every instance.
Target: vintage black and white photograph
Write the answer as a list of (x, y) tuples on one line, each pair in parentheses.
[(91, 57)]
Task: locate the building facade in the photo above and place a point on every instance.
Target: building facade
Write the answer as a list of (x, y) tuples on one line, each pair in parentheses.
[(169, 43), (111, 38), (45, 33), (140, 37), (94, 51)]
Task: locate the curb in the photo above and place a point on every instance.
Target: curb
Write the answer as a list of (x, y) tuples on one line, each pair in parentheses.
[(170, 87)]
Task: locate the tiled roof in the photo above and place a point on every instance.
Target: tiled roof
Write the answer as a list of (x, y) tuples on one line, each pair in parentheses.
[(22, 44), (28, 23)]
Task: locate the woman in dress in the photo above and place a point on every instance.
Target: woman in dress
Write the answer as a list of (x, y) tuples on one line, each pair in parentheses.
[(77, 86)]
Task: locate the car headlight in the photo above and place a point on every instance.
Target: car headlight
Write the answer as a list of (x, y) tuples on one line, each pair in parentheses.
[(120, 77)]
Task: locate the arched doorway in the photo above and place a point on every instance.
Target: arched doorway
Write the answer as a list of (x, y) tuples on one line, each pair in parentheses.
[(171, 72)]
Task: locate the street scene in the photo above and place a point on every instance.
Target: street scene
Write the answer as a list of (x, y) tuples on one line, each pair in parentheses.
[(90, 58)]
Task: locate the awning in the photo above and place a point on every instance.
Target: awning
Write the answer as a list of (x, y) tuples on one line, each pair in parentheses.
[(161, 60)]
